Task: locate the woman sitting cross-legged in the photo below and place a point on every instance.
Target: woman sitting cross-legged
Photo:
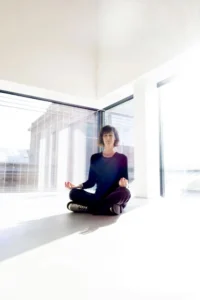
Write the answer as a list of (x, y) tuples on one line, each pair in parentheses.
[(109, 171)]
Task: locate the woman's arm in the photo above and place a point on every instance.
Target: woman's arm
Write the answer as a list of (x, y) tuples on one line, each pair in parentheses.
[(123, 182), (87, 184), (124, 168)]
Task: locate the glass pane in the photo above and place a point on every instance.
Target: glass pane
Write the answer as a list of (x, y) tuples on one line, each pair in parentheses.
[(43, 144), (121, 117), (180, 135)]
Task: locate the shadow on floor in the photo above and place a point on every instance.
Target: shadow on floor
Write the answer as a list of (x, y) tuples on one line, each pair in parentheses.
[(32, 234)]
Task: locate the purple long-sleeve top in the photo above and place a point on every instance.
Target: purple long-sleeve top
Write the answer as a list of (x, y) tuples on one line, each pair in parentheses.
[(106, 172)]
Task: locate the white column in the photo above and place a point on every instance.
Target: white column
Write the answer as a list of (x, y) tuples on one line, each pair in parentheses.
[(50, 161), (79, 157), (146, 128), (63, 147), (41, 173)]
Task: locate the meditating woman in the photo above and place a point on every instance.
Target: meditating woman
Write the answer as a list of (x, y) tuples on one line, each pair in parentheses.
[(109, 172)]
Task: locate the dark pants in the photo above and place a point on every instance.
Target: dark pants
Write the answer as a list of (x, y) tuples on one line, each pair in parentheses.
[(100, 206)]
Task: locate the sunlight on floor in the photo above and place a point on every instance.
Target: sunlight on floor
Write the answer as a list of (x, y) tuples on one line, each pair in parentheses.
[(150, 252)]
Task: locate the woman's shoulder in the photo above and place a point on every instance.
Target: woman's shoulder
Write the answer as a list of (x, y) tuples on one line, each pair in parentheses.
[(95, 156), (121, 155)]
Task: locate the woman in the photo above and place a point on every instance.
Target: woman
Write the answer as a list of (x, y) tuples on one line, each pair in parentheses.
[(109, 171)]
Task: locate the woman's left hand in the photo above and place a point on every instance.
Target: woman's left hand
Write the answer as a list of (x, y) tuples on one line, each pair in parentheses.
[(123, 182)]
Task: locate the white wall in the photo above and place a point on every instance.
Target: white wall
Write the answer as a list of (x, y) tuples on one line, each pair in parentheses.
[(146, 137), (137, 36), (49, 44), (90, 48)]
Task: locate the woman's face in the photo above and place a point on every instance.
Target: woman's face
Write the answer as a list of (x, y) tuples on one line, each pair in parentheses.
[(109, 139)]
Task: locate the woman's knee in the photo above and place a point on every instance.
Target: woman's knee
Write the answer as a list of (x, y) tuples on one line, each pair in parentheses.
[(126, 193), (73, 194)]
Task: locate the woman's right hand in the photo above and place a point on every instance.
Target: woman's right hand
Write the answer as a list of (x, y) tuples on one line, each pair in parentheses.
[(69, 185), (123, 182)]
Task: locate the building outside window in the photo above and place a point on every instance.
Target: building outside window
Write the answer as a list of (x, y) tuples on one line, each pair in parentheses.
[(43, 144)]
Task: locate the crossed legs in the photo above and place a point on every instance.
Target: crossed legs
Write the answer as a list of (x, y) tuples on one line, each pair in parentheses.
[(114, 203)]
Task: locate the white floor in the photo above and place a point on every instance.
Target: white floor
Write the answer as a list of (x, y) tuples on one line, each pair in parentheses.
[(152, 251)]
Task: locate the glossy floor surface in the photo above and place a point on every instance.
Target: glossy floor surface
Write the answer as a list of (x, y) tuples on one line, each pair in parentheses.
[(152, 251)]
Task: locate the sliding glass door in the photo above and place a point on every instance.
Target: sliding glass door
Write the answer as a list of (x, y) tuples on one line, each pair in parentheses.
[(180, 138), (121, 117)]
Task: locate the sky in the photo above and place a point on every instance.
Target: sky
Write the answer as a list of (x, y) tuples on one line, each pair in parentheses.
[(15, 121)]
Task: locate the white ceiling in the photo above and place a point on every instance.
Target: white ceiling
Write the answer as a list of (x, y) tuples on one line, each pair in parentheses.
[(49, 44), (137, 36), (91, 47)]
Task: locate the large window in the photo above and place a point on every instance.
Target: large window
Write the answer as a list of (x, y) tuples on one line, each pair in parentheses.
[(43, 144), (121, 117), (180, 140)]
